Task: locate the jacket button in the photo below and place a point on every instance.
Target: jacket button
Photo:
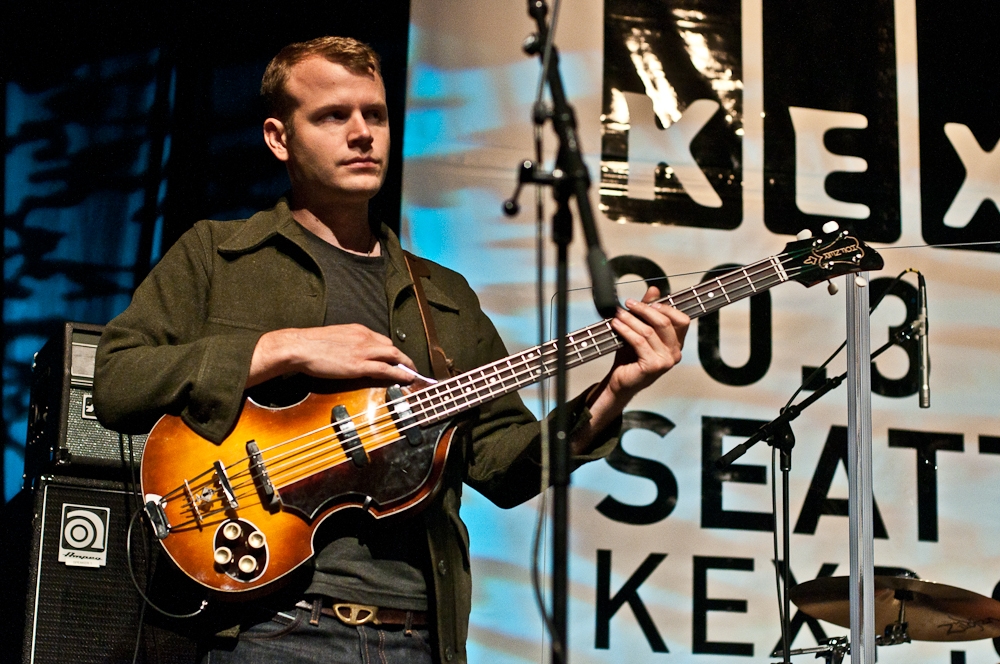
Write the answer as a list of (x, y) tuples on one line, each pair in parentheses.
[(442, 567), (448, 654), (400, 335)]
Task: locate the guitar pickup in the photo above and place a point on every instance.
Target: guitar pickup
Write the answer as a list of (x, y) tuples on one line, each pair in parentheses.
[(402, 415), (225, 485), (347, 433), (269, 497)]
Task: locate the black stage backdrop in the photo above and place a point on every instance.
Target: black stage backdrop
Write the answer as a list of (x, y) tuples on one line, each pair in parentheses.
[(127, 122)]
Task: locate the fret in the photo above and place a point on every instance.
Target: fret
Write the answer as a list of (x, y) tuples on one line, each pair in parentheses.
[(464, 392), (571, 343), (589, 341), (435, 401), (489, 382), (714, 303), (454, 392), (477, 389), (519, 375), (510, 369), (540, 367), (723, 289), (701, 304), (536, 369), (440, 400), (779, 268), (447, 398), (749, 280), (546, 358)]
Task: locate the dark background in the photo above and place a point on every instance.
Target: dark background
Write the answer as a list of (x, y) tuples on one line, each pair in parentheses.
[(127, 122)]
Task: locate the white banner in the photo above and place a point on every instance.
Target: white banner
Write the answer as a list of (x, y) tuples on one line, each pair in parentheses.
[(671, 560)]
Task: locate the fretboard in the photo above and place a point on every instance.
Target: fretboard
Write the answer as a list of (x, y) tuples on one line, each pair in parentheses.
[(450, 397)]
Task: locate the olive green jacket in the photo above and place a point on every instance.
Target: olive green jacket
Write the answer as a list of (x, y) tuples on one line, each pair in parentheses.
[(184, 346)]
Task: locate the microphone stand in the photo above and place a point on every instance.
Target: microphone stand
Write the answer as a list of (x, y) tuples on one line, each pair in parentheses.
[(778, 434), (569, 180)]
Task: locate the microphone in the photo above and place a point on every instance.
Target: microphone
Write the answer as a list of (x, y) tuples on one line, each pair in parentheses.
[(924, 357)]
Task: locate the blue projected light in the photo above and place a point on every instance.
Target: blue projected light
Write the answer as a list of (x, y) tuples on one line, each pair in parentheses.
[(74, 182), (454, 110)]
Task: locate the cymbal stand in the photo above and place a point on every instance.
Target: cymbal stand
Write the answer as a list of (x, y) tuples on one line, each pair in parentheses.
[(897, 632), (832, 650)]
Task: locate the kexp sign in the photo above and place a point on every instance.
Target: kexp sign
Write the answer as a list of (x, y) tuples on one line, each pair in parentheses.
[(672, 127), (672, 119)]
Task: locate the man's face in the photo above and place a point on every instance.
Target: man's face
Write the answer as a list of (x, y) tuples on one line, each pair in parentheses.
[(337, 138)]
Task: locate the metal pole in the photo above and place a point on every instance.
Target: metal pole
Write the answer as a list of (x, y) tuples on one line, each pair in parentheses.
[(859, 444)]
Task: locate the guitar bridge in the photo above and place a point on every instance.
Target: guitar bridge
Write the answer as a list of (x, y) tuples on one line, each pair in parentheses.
[(261, 479), (192, 502)]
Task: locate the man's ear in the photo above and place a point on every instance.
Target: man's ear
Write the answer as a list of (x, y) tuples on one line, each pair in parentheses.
[(276, 136)]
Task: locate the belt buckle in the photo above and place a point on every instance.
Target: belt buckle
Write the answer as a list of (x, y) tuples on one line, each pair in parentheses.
[(356, 614)]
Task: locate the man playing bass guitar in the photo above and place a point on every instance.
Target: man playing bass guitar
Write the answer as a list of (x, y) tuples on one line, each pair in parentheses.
[(313, 295)]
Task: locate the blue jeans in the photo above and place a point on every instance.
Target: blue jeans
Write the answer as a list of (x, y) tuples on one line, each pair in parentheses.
[(289, 638)]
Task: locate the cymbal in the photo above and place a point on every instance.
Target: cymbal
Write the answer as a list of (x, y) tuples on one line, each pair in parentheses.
[(934, 611)]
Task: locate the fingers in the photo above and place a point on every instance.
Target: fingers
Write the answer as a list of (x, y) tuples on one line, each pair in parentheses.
[(350, 351), (654, 347), (652, 293), (376, 347), (655, 334), (383, 371), (649, 352), (657, 323)]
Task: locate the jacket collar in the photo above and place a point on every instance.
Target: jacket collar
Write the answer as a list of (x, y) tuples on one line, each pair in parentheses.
[(398, 276), (267, 224), (261, 227)]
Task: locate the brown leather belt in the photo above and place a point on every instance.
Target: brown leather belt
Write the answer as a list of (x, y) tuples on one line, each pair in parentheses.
[(361, 614)]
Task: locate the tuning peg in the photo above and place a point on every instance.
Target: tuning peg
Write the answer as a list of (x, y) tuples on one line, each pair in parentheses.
[(831, 227), (804, 234), (860, 282), (831, 287)]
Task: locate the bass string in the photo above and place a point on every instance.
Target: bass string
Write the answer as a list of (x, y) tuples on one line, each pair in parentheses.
[(328, 452), (424, 406), (321, 460), (453, 386), (693, 299), (688, 299)]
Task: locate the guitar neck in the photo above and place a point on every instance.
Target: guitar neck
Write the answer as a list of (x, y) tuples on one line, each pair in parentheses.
[(451, 397)]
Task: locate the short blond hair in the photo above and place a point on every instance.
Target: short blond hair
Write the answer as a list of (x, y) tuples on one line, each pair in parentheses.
[(356, 56)]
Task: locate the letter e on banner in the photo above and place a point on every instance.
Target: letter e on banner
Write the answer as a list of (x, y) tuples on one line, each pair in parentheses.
[(814, 162)]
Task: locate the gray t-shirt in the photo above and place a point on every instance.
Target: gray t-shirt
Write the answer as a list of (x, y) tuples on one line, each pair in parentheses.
[(362, 559)]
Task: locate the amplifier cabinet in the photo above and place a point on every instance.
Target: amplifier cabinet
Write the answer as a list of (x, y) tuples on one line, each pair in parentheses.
[(64, 436), (69, 596)]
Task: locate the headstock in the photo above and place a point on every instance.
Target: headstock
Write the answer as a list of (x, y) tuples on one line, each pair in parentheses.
[(834, 253)]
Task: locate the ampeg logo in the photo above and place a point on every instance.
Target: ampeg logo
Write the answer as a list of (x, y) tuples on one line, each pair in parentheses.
[(83, 540)]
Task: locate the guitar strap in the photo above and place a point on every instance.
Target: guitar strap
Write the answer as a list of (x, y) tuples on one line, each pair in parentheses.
[(440, 364)]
